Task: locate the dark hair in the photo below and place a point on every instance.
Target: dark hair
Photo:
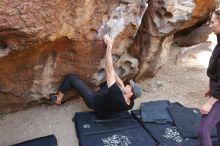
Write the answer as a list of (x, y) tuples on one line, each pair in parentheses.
[(133, 97)]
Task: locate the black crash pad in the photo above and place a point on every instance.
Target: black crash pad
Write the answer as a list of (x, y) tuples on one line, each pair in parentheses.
[(187, 120), (123, 130), (49, 140), (165, 134)]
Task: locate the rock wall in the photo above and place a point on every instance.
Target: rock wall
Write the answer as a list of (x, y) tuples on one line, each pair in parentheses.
[(193, 36), (42, 41), (196, 55), (161, 21)]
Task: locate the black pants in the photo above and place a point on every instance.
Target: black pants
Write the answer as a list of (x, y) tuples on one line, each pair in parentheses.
[(88, 94)]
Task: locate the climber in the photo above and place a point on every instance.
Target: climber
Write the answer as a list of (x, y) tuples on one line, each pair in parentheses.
[(113, 95)]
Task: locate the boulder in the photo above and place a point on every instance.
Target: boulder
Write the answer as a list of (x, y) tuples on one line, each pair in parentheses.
[(162, 20), (193, 36), (42, 41), (195, 56)]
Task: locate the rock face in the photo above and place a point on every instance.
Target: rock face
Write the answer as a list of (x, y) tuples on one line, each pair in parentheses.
[(193, 36), (162, 19), (197, 55), (42, 41)]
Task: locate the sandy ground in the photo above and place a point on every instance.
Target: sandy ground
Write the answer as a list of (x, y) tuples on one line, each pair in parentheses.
[(174, 83)]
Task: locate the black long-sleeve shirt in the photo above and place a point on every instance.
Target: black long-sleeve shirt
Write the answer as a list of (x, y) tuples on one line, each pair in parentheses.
[(213, 72)]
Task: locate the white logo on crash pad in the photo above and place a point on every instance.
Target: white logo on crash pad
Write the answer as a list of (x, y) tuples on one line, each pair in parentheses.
[(86, 126), (116, 140), (173, 133)]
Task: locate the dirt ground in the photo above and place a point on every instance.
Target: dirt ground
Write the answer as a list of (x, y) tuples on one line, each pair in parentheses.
[(174, 83)]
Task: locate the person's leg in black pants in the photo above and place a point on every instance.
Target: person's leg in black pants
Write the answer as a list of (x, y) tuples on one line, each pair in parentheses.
[(71, 81)]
